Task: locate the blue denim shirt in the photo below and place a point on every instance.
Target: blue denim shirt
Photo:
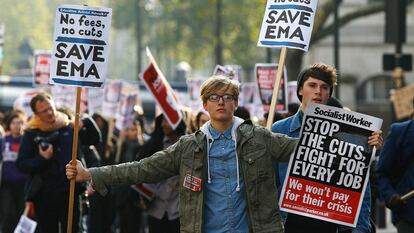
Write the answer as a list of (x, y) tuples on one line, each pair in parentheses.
[(225, 209), (291, 127)]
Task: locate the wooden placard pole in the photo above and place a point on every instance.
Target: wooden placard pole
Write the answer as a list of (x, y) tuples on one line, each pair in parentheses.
[(408, 195), (119, 142), (279, 74), (74, 158), (109, 145)]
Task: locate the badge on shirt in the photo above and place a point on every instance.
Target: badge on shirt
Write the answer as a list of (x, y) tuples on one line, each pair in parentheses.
[(192, 183)]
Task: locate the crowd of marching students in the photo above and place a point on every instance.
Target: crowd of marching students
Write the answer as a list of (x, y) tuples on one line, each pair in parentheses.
[(125, 209)]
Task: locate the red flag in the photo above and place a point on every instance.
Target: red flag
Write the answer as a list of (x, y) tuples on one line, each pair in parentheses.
[(163, 94)]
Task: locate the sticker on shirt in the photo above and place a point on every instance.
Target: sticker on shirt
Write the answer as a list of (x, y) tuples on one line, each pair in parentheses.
[(192, 183)]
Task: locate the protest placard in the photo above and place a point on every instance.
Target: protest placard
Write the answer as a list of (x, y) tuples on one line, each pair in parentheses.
[(287, 24), (65, 97), (250, 99), (25, 225), (80, 50), (41, 68), (95, 100), (402, 100), (193, 89), (164, 95), (234, 72), (22, 102), (125, 113), (329, 170), (292, 87), (112, 96), (220, 70), (265, 77)]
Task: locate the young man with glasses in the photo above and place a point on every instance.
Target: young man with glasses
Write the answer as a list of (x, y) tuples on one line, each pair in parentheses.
[(225, 169)]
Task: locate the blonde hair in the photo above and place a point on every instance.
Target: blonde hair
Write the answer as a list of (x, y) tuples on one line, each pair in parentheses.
[(217, 82)]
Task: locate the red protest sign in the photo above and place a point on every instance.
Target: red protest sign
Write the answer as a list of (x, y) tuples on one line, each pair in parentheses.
[(265, 76), (41, 68), (163, 95)]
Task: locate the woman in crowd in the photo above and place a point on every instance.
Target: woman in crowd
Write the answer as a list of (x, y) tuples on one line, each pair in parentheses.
[(13, 181)]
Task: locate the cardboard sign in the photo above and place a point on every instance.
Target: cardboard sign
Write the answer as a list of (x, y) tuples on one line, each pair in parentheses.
[(80, 49), (265, 77), (291, 90), (65, 97), (234, 72), (41, 68), (163, 95), (23, 102), (193, 89), (95, 100), (402, 100), (25, 225), (329, 170), (112, 96), (287, 24), (250, 99), (125, 113)]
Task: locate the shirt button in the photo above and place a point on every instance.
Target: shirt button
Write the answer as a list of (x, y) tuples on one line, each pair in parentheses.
[(250, 160), (229, 196)]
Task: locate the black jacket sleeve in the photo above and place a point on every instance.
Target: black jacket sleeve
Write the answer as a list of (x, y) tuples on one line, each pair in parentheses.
[(28, 159)]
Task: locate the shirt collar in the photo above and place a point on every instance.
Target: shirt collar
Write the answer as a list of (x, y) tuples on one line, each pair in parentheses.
[(216, 134), (297, 121)]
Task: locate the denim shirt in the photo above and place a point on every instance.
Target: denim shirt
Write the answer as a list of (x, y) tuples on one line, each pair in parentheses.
[(225, 209), (291, 126)]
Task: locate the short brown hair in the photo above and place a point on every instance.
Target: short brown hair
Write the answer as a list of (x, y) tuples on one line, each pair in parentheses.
[(217, 82), (39, 97), (319, 71)]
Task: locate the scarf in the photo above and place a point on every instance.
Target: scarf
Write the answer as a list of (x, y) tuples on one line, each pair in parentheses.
[(61, 121)]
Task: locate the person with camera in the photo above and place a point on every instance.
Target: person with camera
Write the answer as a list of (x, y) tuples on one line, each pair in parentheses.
[(46, 148)]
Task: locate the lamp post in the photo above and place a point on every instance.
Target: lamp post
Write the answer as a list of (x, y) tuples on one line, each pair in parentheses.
[(336, 41)]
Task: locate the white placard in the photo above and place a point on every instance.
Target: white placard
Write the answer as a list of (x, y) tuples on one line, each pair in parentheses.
[(80, 49), (25, 225), (287, 24)]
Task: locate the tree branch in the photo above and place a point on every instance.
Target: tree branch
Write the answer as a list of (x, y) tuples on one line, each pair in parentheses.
[(368, 10)]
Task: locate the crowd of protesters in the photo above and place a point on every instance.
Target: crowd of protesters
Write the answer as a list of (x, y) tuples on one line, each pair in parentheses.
[(36, 150)]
